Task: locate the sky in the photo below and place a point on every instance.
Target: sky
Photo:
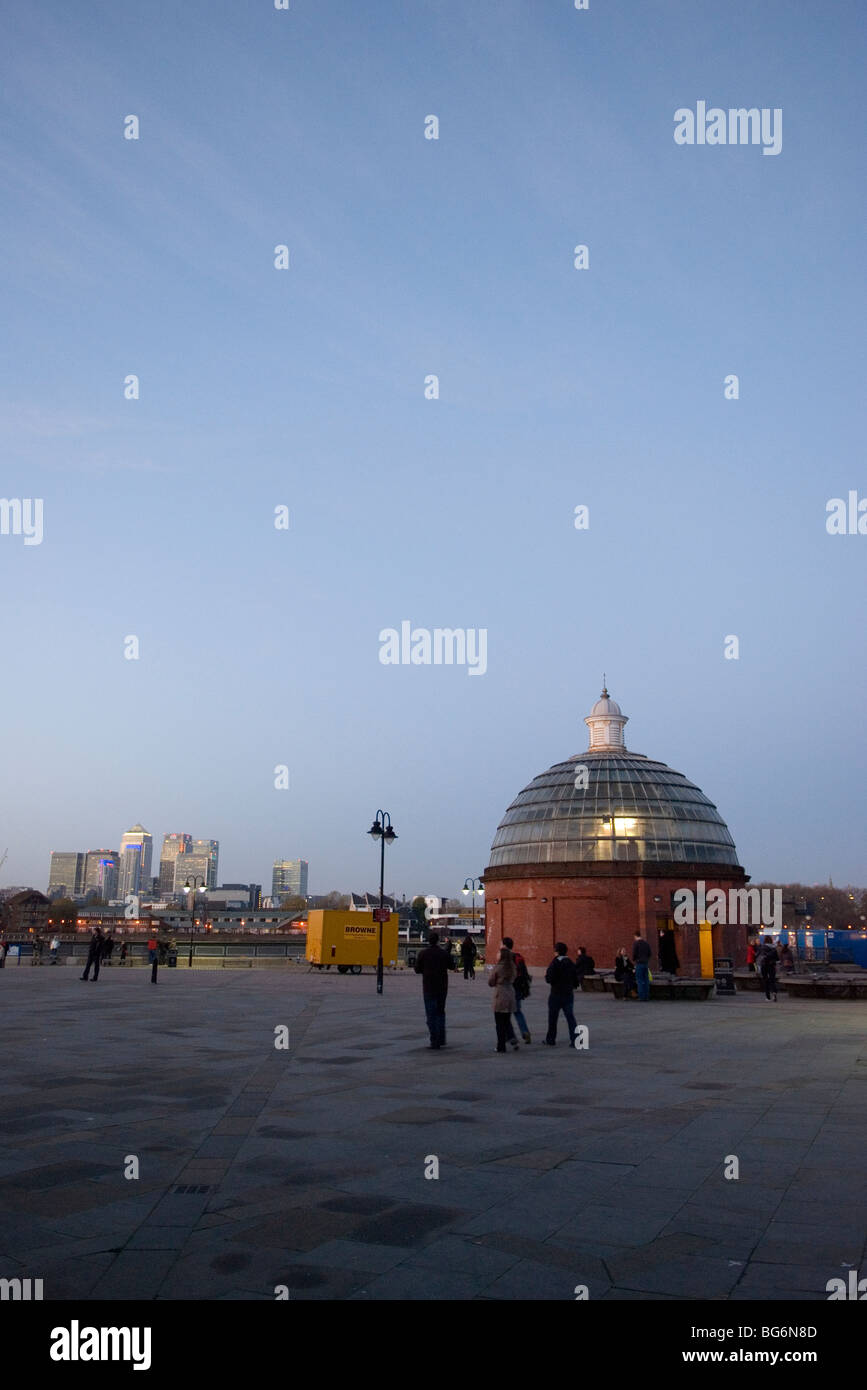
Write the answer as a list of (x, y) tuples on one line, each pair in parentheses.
[(304, 388)]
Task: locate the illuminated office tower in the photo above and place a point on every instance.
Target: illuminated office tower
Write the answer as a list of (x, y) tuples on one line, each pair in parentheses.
[(100, 873), (289, 878), (175, 846), (136, 851), (210, 851), (66, 874)]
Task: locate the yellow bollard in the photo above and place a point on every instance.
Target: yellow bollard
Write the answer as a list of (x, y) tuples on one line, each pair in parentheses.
[(705, 948)]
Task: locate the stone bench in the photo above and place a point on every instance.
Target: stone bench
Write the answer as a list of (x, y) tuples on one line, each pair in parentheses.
[(827, 987), (749, 981), (672, 989)]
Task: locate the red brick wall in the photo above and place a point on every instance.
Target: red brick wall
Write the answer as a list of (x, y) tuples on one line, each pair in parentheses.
[(600, 912)]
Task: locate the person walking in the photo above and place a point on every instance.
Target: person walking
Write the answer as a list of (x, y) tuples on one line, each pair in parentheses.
[(584, 964), (94, 954), (154, 958), (123, 949), (787, 960), (501, 981), (38, 944), (469, 956), (751, 955), (108, 947), (523, 980), (4, 951), (432, 964), (767, 961), (562, 976), (54, 948), (641, 957)]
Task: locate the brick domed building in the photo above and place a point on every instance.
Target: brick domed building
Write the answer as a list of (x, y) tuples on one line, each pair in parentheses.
[(593, 850)]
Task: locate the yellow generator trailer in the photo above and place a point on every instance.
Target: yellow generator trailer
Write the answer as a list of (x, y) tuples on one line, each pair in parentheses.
[(349, 940)]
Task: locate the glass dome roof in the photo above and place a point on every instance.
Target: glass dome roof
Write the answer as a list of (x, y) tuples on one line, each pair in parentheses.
[(625, 806)]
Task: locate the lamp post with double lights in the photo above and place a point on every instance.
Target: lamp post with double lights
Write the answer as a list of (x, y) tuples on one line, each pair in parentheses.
[(196, 885), (470, 886), (383, 831)]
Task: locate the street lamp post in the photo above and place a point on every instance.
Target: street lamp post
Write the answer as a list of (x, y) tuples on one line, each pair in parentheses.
[(381, 830), (191, 887), (470, 887)]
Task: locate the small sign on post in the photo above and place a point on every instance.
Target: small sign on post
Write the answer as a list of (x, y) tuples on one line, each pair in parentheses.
[(381, 914)]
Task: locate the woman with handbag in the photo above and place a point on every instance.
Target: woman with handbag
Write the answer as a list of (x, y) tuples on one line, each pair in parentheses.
[(501, 981)]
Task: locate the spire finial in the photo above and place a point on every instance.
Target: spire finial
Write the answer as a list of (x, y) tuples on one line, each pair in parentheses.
[(604, 695)]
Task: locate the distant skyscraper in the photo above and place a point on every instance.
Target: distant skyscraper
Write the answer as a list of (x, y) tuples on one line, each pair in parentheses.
[(191, 866), (66, 874), (289, 878), (136, 851), (209, 849), (100, 873), (174, 846)]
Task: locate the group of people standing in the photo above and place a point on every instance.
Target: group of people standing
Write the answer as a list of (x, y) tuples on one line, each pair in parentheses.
[(100, 952), (633, 971), (468, 953), (510, 980)]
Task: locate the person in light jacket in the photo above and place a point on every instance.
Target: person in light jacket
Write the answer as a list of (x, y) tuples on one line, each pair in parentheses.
[(502, 981)]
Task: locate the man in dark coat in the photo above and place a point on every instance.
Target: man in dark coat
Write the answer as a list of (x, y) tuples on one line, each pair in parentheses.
[(432, 964), (766, 960), (523, 980), (94, 954), (641, 957), (562, 976), (584, 964), (468, 957)]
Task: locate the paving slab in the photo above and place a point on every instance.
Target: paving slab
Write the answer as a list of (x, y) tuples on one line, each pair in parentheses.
[(529, 1281), (307, 1168)]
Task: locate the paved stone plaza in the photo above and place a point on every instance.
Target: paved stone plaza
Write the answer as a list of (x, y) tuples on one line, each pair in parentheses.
[(306, 1167)]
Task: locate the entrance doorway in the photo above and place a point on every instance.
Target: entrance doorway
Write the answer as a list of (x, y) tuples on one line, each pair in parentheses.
[(667, 953)]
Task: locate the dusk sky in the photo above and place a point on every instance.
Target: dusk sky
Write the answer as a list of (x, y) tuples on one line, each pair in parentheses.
[(305, 388)]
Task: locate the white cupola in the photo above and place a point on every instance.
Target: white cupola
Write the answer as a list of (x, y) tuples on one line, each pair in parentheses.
[(605, 723)]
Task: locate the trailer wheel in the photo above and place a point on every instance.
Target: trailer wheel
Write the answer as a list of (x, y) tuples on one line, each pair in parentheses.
[(342, 969), (355, 969)]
